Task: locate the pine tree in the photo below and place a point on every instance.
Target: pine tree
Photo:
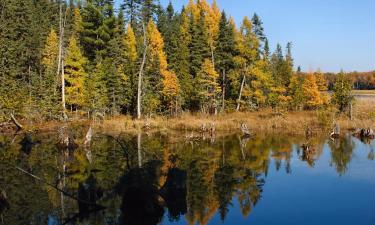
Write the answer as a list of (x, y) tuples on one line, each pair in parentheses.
[(180, 62), (132, 10), (75, 75), (92, 17), (199, 46), (209, 88), (148, 10), (96, 94), (225, 50), (259, 32)]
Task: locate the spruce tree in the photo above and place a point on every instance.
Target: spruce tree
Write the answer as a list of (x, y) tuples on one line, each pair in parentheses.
[(180, 60), (199, 46), (132, 10)]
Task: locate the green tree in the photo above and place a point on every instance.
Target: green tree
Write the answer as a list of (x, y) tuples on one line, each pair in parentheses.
[(342, 89)]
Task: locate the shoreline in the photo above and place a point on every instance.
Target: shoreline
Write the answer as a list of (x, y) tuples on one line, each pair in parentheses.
[(260, 122)]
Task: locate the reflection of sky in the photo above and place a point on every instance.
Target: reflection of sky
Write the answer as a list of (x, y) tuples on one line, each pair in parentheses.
[(316, 196)]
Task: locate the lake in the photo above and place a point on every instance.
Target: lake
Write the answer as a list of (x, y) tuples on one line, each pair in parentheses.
[(165, 179)]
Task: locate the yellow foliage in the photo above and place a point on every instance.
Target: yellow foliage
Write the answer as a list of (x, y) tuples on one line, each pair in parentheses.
[(130, 44), (75, 74), (77, 23), (50, 52), (209, 87), (170, 85), (311, 92)]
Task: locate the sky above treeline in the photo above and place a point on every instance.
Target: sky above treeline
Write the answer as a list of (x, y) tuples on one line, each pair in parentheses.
[(326, 34)]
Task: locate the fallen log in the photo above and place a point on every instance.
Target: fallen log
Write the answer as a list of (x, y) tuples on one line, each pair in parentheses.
[(14, 120)]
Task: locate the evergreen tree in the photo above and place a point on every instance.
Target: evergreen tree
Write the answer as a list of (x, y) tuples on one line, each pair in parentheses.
[(199, 46), (92, 30), (75, 75), (296, 92), (132, 10), (96, 94), (148, 10), (225, 50), (180, 60)]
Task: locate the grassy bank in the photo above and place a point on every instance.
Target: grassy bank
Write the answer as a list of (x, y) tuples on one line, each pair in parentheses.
[(263, 121)]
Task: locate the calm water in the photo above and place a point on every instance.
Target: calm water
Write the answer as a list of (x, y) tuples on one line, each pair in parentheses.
[(155, 179)]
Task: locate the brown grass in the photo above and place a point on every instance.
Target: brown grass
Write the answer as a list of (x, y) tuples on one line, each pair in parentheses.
[(264, 121)]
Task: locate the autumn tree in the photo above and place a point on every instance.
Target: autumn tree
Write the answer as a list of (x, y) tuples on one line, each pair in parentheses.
[(75, 75), (311, 92), (161, 83), (209, 88), (49, 82)]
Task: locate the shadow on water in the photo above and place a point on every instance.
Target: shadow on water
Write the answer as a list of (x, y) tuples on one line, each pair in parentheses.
[(148, 180)]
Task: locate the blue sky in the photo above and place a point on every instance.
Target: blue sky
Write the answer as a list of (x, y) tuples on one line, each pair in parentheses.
[(326, 34)]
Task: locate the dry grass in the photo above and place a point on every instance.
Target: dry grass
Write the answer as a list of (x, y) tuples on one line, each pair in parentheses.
[(363, 92), (264, 121)]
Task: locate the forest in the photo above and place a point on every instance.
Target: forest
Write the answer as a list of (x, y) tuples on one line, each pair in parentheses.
[(64, 59)]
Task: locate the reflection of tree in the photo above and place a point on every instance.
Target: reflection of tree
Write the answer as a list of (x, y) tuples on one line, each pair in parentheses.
[(196, 181), (341, 153), (225, 187)]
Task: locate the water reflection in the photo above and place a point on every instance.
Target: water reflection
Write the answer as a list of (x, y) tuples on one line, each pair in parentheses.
[(149, 179)]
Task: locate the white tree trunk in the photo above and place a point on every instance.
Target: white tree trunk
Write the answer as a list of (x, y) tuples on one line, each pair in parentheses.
[(140, 75), (240, 95)]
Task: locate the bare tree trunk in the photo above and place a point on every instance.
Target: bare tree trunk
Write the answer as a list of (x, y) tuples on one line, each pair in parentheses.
[(60, 65), (63, 89), (240, 95), (140, 75), (60, 41), (223, 97)]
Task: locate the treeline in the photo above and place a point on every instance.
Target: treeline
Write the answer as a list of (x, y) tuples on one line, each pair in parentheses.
[(360, 80), (142, 59)]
